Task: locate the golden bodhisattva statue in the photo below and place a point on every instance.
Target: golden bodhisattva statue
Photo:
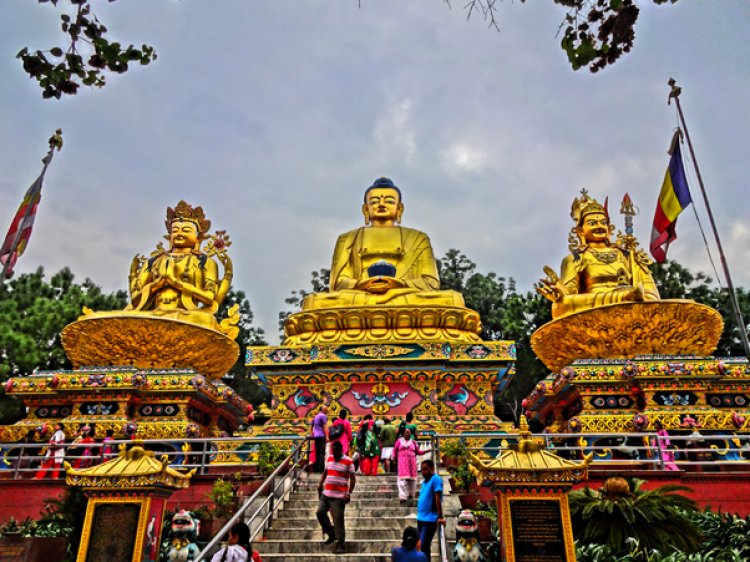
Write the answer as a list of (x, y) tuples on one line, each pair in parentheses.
[(598, 271), (383, 262), (384, 285), (171, 319), (605, 304), (183, 282)]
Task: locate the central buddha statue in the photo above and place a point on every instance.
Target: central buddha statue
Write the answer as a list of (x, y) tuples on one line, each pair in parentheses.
[(384, 286), (383, 263), (598, 271)]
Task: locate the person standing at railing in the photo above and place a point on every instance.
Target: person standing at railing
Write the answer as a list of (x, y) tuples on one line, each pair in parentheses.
[(320, 436), (666, 449), (405, 453), (429, 506), (55, 454), (335, 490), (107, 450)]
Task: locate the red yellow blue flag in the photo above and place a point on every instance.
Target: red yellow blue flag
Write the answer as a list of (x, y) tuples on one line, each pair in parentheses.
[(19, 232), (673, 199)]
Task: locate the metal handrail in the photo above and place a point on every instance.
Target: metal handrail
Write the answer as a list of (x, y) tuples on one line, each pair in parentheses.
[(293, 463), (199, 459)]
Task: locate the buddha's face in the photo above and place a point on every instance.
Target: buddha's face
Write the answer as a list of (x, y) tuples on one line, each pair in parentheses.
[(595, 228), (184, 234), (383, 205)]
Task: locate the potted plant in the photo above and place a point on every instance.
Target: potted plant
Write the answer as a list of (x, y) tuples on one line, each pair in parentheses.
[(223, 499), (453, 451), (11, 528), (270, 456), (462, 478)]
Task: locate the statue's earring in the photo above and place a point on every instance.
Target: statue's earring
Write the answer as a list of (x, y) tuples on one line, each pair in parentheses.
[(366, 213)]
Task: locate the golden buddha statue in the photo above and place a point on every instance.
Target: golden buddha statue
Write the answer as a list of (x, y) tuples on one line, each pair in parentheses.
[(384, 286), (183, 282), (597, 272), (383, 262)]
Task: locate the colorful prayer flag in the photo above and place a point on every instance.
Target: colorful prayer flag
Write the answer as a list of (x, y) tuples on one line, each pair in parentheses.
[(20, 229), (673, 199)]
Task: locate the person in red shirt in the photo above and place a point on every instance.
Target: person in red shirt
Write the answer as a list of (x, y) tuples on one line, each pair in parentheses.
[(335, 490)]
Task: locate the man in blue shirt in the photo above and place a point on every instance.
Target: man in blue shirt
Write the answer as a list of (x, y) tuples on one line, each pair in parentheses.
[(429, 506)]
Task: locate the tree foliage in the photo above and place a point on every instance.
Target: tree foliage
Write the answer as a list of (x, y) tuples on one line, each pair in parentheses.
[(595, 33), (89, 53), (35, 310), (506, 315)]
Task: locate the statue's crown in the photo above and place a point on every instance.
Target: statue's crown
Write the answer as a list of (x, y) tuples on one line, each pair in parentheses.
[(585, 205), (184, 212)]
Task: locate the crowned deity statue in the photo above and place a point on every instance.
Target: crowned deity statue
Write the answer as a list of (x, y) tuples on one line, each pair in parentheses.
[(598, 271), (183, 282), (383, 263)]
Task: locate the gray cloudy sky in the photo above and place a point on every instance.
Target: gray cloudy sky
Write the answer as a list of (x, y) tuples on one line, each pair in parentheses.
[(275, 115)]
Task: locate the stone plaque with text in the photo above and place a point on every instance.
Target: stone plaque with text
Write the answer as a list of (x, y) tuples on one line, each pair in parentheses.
[(14, 550), (537, 529)]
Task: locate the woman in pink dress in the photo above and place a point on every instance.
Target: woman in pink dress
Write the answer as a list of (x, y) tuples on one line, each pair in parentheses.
[(665, 447), (405, 453)]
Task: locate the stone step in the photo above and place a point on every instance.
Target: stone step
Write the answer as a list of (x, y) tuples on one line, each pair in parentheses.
[(330, 557), (399, 511), (358, 493), (352, 521), (353, 532), (356, 502), (315, 547)]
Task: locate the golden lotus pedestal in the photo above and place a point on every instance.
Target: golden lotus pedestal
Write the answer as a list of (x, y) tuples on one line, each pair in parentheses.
[(381, 324), (621, 331), (623, 368), (148, 342), (448, 386), (137, 375)]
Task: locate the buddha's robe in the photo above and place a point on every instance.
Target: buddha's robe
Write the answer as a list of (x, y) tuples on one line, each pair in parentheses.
[(407, 249), (595, 278)]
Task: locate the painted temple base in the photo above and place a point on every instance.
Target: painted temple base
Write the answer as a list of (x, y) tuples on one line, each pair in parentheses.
[(674, 327), (148, 404), (616, 396), (449, 387), (148, 342), (379, 324)]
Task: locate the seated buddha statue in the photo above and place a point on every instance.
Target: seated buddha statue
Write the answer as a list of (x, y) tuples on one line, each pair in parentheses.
[(598, 271), (383, 263), (183, 282)]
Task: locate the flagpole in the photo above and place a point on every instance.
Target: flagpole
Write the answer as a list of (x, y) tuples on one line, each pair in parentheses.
[(674, 94), (55, 141)]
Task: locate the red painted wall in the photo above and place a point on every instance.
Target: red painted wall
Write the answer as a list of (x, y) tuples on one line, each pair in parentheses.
[(26, 498)]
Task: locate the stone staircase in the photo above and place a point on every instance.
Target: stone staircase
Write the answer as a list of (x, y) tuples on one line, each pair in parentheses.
[(375, 520)]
